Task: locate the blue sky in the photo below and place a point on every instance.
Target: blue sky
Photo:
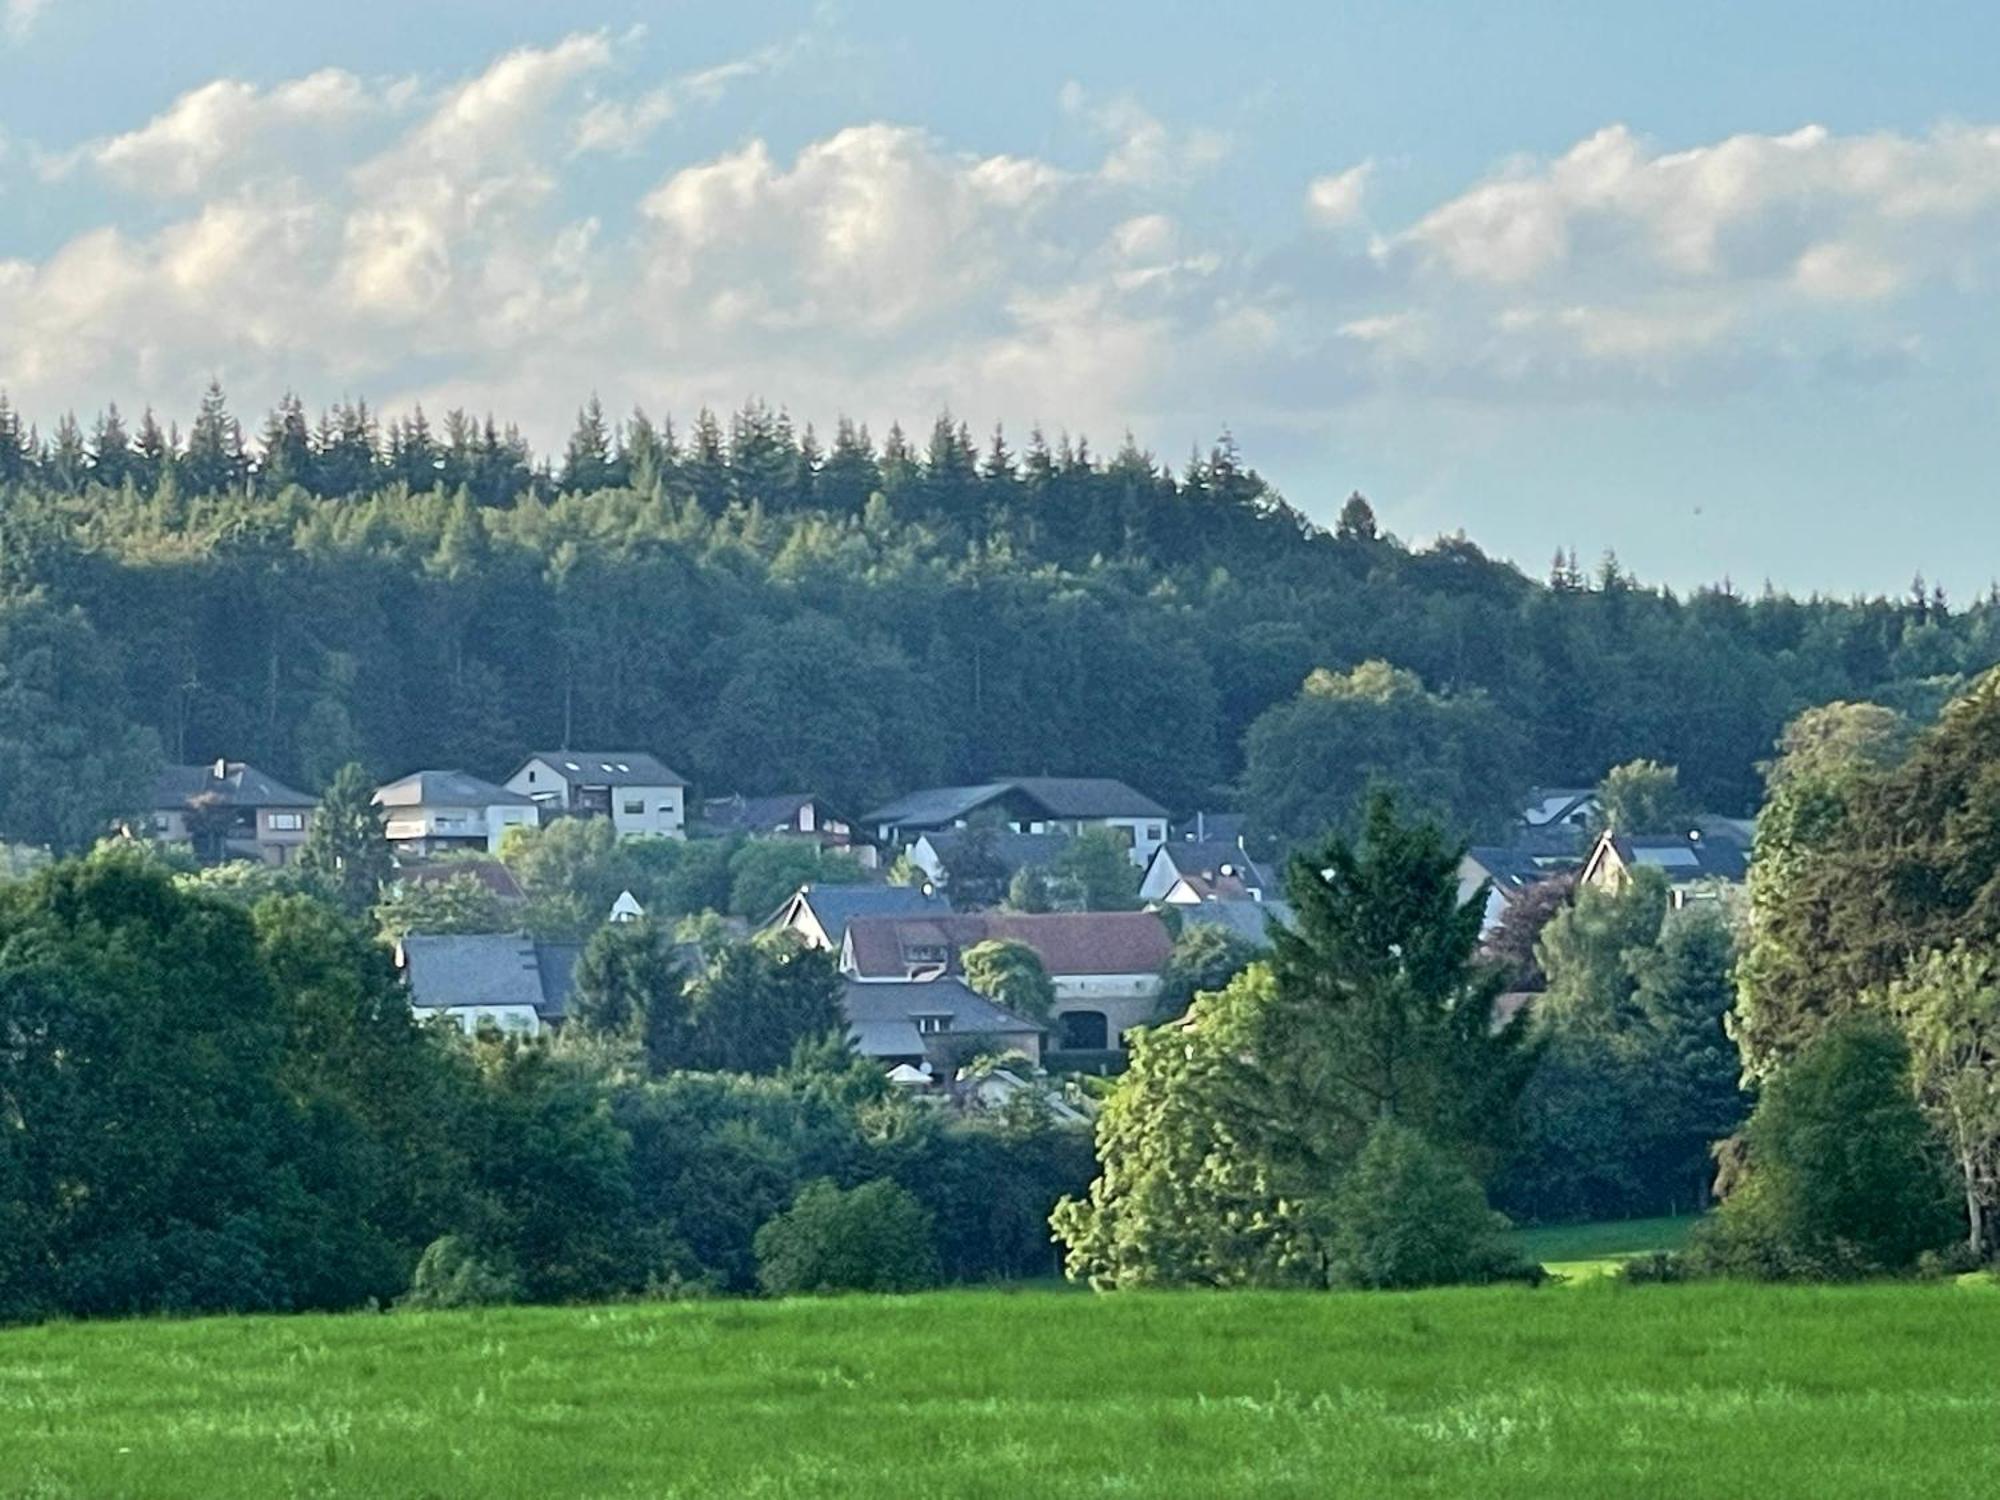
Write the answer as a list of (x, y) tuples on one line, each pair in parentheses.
[(1710, 284)]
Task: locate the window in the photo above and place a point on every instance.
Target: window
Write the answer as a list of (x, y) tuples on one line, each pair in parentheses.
[(634, 806), (926, 953), (1084, 1031), (936, 1025), (531, 777), (287, 822), (1156, 833)]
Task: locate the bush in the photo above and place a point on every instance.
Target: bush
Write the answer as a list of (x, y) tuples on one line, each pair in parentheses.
[(450, 1273), (874, 1238), (1656, 1268), (1843, 1176), (1409, 1214)]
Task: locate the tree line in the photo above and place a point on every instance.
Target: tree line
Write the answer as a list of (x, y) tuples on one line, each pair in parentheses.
[(770, 612)]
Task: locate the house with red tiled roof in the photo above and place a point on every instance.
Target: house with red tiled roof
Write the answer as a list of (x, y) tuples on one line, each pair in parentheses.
[(1105, 965)]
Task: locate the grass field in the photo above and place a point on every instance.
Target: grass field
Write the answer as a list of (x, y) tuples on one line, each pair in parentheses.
[(1585, 1252), (1595, 1390)]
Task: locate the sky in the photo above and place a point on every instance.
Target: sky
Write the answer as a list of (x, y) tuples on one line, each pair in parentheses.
[(1712, 285)]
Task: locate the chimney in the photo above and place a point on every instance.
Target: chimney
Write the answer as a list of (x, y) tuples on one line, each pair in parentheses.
[(221, 769)]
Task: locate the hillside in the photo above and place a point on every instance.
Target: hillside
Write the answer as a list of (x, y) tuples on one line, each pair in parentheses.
[(1670, 1391)]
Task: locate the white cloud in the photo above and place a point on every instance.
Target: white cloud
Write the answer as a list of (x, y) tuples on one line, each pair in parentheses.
[(1142, 150), (18, 18), (1336, 199)]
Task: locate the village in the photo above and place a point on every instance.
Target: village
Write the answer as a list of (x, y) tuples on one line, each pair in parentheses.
[(941, 871)]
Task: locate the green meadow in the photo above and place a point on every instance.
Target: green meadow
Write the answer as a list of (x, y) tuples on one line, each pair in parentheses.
[(1591, 1389)]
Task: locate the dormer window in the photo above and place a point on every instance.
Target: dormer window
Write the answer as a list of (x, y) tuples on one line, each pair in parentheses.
[(933, 1025)]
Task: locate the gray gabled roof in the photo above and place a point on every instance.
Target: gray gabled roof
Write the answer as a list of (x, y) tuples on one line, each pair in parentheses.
[(448, 972), (835, 907), (758, 814), (882, 1017), (1205, 862), (1059, 796), (1015, 851), (446, 789), (607, 767), (1512, 868), (230, 783), (1249, 920)]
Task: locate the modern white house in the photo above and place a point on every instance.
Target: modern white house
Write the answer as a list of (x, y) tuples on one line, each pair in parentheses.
[(639, 794), (437, 812)]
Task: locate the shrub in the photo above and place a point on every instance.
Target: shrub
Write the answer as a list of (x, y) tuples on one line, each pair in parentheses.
[(1409, 1214), (450, 1273), (1843, 1176), (874, 1238)]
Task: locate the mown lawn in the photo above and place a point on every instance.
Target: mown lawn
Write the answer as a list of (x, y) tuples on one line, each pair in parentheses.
[(1599, 1390)]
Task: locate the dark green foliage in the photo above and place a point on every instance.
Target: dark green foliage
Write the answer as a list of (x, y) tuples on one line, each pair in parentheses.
[(1097, 866), (1011, 975), (346, 853), (1844, 1175), (1409, 1214), (630, 988), (1642, 796), (764, 873), (873, 1238), (758, 1000), (1205, 958), (1312, 763)]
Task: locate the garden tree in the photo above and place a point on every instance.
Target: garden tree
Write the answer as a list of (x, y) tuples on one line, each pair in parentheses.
[(1642, 796), (1313, 763), (1948, 1008), (1864, 862), (1097, 866), (1225, 1144), (1514, 943), (873, 1238), (758, 1000), (70, 760), (764, 873), (1586, 952), (1205, 957), (1184, 1194), (571, 870), (1843, 1174), (1409, 1214), (974, 874), (1028, 891), (1011, 975), (630, 987), (346, 853), (1383, 1009), (459, 903)]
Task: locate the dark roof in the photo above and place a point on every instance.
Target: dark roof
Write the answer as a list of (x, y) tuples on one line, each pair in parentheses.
[(1212, 827), (231, 783), (1058, 796), (1089, 797), (1202, 866), (881, 1017), (1682, 859), (1514, 868), (491, 873), (607, 767), (489, 968), (938, 806), (757, 814), (836, 907), (447, 789), (1098, 942), (1015, 851)]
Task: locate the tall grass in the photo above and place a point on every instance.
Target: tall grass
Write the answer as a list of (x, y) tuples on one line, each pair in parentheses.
[(1599, 1390)]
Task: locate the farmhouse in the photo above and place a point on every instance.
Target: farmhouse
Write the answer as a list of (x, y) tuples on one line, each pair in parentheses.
[(428, 813), (1105, 965), (1029, 804), (639, 794), (230, 810)]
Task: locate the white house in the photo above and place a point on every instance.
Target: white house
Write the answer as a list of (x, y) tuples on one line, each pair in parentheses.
[(435, 812), (639, 794), (507, 980), (1187, 873)]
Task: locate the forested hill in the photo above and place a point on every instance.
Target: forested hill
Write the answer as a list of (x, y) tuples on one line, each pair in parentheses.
[(769, 612)]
